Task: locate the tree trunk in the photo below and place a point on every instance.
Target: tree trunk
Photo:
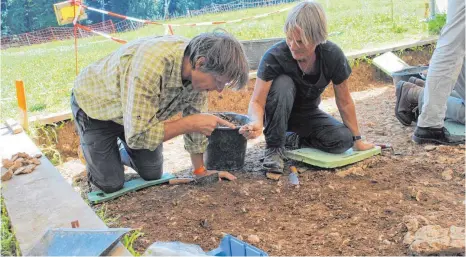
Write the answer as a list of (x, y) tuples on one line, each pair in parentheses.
[(165, 12)]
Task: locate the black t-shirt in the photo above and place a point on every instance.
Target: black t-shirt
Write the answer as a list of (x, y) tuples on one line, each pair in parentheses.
[(278, 60)]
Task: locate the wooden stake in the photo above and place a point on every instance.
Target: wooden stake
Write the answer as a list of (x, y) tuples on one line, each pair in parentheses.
[(21, 97)]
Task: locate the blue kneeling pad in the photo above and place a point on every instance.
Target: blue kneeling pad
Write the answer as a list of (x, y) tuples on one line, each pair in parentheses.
[(323, 159), (455, 128), (129, 186)]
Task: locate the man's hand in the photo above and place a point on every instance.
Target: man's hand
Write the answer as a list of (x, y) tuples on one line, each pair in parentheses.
[(360, 145), (251, 130), (206, 123)]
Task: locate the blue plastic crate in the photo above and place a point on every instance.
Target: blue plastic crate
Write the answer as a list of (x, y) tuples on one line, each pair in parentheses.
[(232, 246)]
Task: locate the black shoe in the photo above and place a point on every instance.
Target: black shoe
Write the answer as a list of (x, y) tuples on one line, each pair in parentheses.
[(417, 81), (436, 136), (274, 159), (407, 95), (292, 141)]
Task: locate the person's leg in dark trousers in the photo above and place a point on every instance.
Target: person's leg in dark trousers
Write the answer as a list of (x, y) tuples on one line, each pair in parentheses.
[(320, 130), (148, 164), (102, 153), (277, 112)]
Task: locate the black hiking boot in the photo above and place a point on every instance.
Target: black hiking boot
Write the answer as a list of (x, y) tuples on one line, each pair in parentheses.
[(407, 95), (274, 159), (292, 141), (436, 136), (417, 81)]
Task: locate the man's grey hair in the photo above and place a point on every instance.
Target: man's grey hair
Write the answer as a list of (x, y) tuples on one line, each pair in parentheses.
[(224, 57), (309, 17)]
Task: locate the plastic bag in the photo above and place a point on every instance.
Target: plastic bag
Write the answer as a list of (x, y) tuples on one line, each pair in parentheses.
[(174, 249)]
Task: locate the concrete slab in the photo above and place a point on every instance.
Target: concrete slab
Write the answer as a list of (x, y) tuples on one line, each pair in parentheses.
[(42, 199)]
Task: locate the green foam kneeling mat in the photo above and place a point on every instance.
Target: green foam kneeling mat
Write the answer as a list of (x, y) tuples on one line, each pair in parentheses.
[(455, 128), (323, 159), (129, 186)]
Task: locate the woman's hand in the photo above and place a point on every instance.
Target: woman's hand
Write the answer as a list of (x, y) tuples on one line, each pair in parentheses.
[(360, 145), (252, 130)]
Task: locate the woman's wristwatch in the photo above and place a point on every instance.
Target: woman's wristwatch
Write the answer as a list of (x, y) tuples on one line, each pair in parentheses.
[(355, 138)]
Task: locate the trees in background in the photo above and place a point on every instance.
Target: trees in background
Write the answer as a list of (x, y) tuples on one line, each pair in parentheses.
[(19, 16)]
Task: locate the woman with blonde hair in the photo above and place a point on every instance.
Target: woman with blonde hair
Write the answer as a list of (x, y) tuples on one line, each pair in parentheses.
[(291, 77)]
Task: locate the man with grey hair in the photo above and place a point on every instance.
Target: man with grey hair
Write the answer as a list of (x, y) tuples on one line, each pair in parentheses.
[(122, 104), (291, 77)]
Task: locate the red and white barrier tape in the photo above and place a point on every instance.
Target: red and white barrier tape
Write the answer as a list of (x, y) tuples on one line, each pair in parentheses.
[(121, 41), (168, 27), (208, 23)]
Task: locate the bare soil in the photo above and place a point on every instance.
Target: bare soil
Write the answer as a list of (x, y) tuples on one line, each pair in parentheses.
[(358, 214), (354, 210)]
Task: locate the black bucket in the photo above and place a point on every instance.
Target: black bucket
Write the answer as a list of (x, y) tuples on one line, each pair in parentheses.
[(407, 73), (227, 147)]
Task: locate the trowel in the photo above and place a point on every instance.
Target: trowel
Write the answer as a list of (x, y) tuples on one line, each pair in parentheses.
[(293, 177)]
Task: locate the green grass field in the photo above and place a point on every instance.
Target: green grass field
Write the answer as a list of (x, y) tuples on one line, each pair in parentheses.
[(48, 69)]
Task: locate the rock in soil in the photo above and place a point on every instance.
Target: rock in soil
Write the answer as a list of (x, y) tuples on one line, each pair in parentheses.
[(435, 240), (429, 148), (7, 163), (447, 174), (20, 163), (253, 239), (7, 175), (273, 176), (25, 169)]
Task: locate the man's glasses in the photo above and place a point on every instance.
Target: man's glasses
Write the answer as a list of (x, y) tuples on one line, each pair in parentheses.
[(222, 85)]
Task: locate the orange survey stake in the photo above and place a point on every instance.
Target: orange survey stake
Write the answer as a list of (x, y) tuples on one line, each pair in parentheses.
[(21, 97)]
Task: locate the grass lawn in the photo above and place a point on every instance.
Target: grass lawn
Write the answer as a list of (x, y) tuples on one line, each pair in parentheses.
[(48, 69), (10, 246)]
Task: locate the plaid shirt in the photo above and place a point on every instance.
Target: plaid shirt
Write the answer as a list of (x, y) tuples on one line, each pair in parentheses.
[(139, 86)]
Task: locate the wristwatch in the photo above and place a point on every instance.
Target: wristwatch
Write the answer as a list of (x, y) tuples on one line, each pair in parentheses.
[(355, 138)]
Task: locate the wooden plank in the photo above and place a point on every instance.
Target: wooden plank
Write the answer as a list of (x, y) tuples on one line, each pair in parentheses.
[(14, 126), (42, 199), (391, 48), (51, 118)]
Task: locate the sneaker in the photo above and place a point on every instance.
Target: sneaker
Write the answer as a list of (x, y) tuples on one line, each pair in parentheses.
[(292, 140), (274, 159), (436, 136), (407, 95)]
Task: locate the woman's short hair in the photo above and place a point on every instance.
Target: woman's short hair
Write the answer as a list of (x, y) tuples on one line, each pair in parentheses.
[(309, 17)]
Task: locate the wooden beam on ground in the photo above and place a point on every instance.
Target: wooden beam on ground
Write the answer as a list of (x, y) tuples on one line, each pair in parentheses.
[(14, 126), (51, 118), (42, 199), (391, 48)]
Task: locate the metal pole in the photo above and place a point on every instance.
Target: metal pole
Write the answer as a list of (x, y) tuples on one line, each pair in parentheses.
[(103, 8), (432, 9)]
